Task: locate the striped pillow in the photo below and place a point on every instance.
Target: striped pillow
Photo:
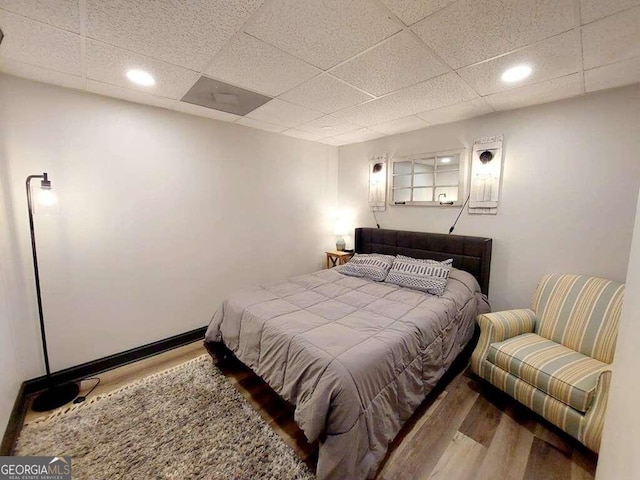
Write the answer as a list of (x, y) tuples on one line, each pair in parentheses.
[(373, 266), (425, 275)]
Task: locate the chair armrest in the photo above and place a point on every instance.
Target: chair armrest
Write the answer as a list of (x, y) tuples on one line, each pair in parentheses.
[(507, 324), (499, 326), (593, 422)]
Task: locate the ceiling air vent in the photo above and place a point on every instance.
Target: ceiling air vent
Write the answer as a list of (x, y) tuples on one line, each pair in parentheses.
[(217, 95)]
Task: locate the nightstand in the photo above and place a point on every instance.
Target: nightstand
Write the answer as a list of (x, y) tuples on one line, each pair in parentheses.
[(336, 257)]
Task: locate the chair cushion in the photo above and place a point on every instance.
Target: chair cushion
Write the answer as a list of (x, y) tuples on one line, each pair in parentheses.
[(558, 371)]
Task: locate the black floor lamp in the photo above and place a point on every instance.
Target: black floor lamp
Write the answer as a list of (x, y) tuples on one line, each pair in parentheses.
[(55, 395)]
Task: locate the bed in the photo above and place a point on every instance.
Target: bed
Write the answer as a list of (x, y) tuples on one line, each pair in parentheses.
[(357, 357)]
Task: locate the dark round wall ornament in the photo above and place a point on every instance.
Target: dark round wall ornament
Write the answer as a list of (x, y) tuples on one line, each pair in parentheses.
[(486, 156)]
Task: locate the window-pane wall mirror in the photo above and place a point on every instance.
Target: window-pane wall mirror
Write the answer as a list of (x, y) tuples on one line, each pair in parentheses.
[(427, 179)]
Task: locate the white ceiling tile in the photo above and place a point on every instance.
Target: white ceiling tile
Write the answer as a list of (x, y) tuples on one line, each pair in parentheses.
[(35, 43), (109, 64), (59, 13), (293, 132), (39, 74), (405, 124), (361, 135), (549, 91), (591, 10), (480, 38), (251, 63), (325, 94), (323, 33), (460, 111), (182, 33), (283, 113), (612, 39), (437, 92), (129, 95), (411, 11), (204, 112), (615, 75), (470, 31), (327, 126), (555, 57), (260, 125), (399, 62)]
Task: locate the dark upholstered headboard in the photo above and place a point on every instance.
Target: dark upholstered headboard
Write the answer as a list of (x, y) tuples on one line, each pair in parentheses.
[(472, 254)]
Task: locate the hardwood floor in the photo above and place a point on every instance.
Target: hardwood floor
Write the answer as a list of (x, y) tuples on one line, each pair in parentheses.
[(465, 430), (476, 432)]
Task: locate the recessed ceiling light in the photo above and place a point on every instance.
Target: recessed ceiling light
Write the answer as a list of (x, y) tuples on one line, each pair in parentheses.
[(140, 77), (445, 160), (517, 73)]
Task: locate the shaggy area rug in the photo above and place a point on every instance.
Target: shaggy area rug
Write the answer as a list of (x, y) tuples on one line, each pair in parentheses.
[(186, 422)]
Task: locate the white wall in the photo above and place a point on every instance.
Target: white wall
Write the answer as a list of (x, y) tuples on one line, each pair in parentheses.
[(571, 176), (161, 216), (619, 459), (11, 376)]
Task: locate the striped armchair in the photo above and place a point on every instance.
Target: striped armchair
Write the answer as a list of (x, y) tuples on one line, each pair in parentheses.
[(556, 358)]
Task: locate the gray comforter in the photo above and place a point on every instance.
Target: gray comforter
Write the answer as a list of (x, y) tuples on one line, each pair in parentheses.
[(355, 357)]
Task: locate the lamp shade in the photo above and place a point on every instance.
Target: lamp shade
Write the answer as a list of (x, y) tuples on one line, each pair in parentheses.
[(46, 200), (341, 227)]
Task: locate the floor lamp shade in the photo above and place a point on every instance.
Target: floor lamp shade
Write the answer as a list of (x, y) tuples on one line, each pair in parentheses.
[(55, 395)]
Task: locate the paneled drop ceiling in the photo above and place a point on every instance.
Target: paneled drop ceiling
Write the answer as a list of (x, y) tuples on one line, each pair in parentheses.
[(339, 71)]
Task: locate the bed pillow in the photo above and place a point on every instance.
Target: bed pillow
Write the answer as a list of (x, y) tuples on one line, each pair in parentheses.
[(425, 275), (374, 266)]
